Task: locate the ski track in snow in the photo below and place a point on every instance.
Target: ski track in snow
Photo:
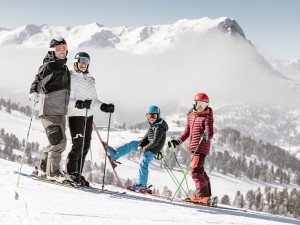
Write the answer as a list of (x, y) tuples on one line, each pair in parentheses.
[(35, 202)]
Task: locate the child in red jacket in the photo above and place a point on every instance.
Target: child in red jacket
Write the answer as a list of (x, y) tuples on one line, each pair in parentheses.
[(199, 123)]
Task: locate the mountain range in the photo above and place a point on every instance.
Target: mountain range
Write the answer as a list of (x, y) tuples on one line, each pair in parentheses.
[(132, 39), (212, 53)]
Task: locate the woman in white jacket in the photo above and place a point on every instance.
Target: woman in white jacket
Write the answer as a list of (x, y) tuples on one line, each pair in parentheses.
[(83, 96)]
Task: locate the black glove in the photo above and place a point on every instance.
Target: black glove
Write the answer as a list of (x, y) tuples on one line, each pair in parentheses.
[(108, 108), (83, 104), (205, 136), (174, 142)]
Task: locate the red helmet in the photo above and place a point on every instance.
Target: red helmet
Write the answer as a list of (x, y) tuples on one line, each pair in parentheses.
[(201, 97)]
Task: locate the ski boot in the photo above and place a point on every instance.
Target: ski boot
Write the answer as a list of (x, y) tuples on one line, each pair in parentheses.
[(200, 200), (144, 189), (113, 162), (112, 155), (60, 178), (139, 188), (84, 182), (134, 187), (39, 173), (74, 177)]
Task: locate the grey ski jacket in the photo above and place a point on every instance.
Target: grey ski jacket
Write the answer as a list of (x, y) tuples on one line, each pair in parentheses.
[(53, 85)]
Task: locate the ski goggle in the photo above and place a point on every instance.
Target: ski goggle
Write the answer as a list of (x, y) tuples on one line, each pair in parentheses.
[(58, 48), (82, 60), (152, 115), (200, 103)]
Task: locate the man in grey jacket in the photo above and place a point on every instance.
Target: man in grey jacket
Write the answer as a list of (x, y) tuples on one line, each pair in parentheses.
[(52, 87)]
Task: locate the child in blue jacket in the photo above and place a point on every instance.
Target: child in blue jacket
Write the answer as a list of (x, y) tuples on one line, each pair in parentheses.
[(150, 145)]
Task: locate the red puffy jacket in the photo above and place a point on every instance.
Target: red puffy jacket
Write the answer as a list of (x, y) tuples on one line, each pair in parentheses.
[(195, 126)]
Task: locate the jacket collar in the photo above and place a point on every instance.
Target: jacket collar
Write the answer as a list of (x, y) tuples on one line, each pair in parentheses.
[(206, 112)]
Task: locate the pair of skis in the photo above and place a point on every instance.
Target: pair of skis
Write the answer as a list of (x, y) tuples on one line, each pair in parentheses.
[(70, 184), (107, 155), (213, 203)]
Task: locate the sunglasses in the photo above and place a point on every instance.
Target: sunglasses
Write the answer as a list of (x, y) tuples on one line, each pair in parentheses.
[(82, 60), (58, 48), (152, 115), (200, 103)]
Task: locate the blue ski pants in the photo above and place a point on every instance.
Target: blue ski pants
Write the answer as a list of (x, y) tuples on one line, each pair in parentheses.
[(147, 158)]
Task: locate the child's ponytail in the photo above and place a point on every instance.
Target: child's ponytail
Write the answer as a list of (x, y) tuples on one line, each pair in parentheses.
[(190, 111)]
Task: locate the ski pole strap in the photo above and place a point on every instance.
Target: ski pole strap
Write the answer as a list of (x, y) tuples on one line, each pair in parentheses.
[(159, 156)]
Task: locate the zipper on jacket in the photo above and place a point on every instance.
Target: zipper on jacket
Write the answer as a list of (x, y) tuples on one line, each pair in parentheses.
[(192, 129)]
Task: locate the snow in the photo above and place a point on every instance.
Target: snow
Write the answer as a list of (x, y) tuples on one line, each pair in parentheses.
[(290, 68), (158, 176), (138, 40), (35, 202)]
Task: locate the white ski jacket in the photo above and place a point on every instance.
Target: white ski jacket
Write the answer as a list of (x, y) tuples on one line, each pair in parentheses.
[(82, 88)]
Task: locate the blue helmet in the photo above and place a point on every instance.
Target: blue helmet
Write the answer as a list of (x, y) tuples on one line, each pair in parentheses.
[(153, 109)]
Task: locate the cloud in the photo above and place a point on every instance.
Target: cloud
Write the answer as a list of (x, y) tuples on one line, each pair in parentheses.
[(228, 69)]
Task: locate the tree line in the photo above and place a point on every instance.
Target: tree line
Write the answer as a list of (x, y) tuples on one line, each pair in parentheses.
[(9, 106), (283, 202), (12, 142)]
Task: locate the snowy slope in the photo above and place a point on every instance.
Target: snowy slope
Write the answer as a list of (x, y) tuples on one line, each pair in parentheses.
[(290, 68), (35, 202), (158, 176)]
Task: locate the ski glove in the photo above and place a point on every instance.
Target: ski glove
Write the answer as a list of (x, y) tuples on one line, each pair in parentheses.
[(34, 97), (205, 136), (108, 108), (174, 142), (140, 150), (83, 104)]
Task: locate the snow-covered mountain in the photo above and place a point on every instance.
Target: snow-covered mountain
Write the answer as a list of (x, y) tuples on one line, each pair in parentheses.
[(181, 59), (290, 68), (131, 39)]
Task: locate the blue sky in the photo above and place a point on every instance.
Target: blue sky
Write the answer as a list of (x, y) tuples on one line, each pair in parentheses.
[(272, 25)]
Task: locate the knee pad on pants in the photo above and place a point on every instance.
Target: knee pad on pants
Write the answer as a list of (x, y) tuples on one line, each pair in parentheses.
[(54, 134)]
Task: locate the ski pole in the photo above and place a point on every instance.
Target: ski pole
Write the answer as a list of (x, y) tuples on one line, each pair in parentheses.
[(172, 175), (172, 146), (26, 143), (107, 145), (188, 168), (105, 149), (83, 142)]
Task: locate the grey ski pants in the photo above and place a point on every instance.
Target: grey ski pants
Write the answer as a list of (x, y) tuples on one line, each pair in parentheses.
[(55, 131)]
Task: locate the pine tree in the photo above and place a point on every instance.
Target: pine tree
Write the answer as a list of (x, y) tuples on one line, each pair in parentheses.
[(8, 106), (238, 193), (240, 201), (250, 198), (166, 192), (297, 177), (128, 182), (225, 200), (89, 177)]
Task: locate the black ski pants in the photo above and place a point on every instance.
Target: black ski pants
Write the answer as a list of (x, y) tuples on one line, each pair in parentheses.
[(76, 125)]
